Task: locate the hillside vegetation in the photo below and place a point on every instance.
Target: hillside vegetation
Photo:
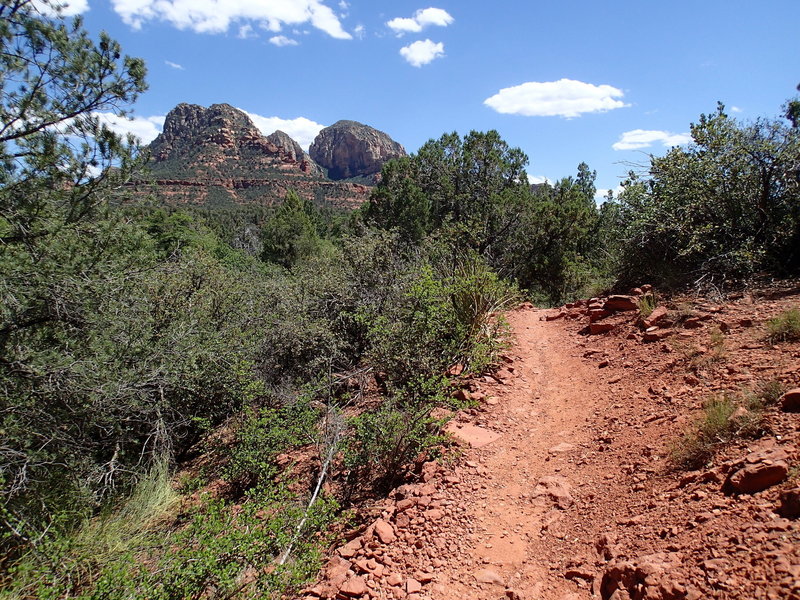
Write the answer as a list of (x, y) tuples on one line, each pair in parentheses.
[(136, 340)]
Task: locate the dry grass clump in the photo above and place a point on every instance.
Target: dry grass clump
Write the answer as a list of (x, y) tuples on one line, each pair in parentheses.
[(725, 418), (785, 327)]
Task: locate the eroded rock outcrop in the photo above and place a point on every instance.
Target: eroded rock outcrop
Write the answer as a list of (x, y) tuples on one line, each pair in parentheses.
[(217, 156), (350, 149)]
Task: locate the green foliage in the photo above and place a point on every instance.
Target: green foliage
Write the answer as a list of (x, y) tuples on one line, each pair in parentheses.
[(785, 327), (647, 304), (264, 434), (54, 149), (387, 438), (291, 235), (216, 548), (722, 208), (473, 195)]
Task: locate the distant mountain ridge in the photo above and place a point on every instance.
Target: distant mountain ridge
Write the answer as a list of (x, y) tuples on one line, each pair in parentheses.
[(216, 156)]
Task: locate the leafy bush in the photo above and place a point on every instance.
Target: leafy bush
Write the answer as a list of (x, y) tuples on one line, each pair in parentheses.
[(219, 547), (719, 209), (264, 434), (386, 439)]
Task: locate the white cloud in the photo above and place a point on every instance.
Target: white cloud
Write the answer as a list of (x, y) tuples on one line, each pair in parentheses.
[(216, 16), (736, 109), (169, 63), (245, 32), (422, 18), (601, 193), (301, 130), (282, 40), (563, 98), (537, 179), (422, 52), (69, 8), (433, 16), (644, 138), (359, 32), (144, 128)]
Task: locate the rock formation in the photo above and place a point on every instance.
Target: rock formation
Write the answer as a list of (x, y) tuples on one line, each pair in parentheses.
[(349, 149), (283, 141), (217, 156)]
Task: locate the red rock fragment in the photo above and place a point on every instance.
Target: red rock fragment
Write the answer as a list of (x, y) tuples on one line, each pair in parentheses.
[(488, 576), (384, 531), (353, 587), (657, 316), (621, 303), (757, 477), (596, 328), (790, 503)]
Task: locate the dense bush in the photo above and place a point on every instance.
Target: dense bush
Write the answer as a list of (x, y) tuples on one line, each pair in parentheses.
[(722, 208)]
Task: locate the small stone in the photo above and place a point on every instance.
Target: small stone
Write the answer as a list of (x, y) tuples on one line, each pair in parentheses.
[(557, 489), (413, 586), (355, 586), (562, 447), (384, 532), (488, 576)]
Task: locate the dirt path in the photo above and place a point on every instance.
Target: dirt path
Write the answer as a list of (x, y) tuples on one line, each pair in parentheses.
[(564, 490), (529, 499)]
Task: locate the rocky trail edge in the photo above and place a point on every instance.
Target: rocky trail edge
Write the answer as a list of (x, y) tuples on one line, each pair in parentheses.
[(564, 489)]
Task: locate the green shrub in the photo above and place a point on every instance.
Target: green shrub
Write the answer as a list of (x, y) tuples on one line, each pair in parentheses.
[(219, 547), (391, 436), (647, 304), (785, 327), (265, 433)]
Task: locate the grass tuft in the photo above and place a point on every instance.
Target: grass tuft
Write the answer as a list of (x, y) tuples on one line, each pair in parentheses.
[(647, 304), (724, 419), (785, 327)]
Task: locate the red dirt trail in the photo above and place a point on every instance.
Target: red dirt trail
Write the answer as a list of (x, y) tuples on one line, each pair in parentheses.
[(564, 490)]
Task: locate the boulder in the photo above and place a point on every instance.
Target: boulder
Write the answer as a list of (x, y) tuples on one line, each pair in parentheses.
[(619, 303)]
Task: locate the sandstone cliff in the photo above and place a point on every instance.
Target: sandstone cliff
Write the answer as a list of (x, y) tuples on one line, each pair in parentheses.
[(349, 149), (217, 156)]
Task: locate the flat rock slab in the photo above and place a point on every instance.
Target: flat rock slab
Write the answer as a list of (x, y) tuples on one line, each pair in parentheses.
[(475, 436)]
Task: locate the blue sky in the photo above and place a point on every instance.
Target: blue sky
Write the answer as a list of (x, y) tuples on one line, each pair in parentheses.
[(567, 81)]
